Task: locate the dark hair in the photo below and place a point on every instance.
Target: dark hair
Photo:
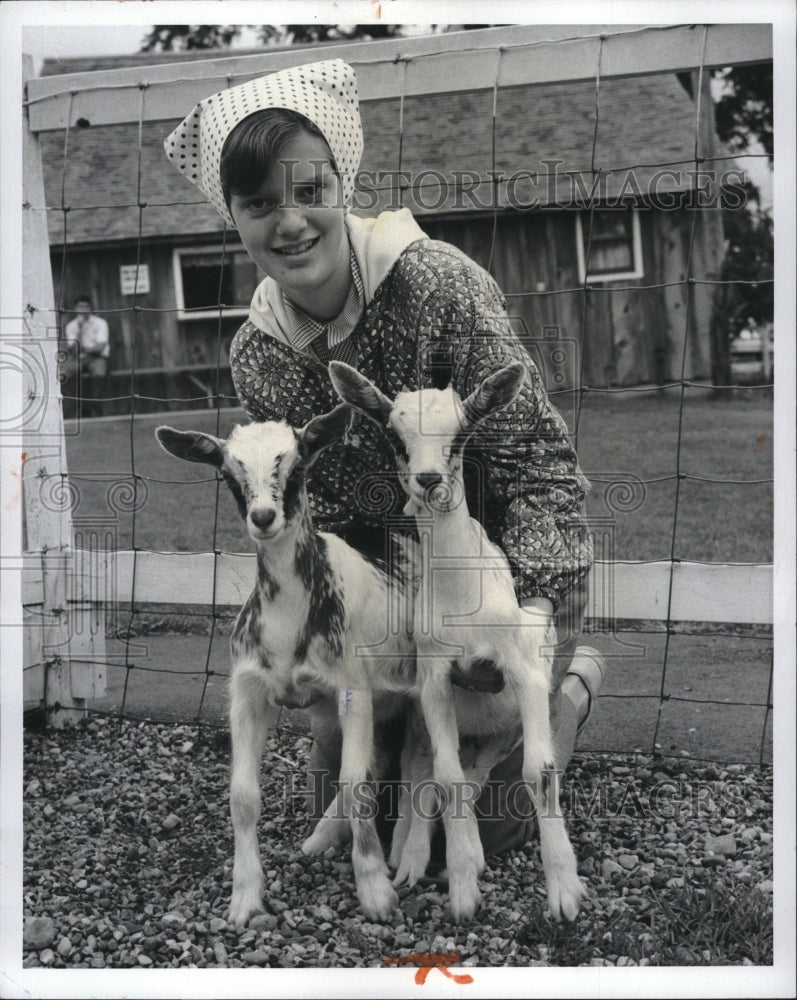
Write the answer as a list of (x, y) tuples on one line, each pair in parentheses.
[(255, 144), (84, 298)]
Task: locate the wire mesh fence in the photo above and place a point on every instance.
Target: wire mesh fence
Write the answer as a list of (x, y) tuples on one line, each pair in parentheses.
[(678, 683)]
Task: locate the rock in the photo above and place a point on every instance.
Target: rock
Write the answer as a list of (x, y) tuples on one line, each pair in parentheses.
[(217, 925), (263, 922), (713, 861), (173, 921), (621, 770), (258, 957), (324, 913), (414, 907), (144, 960), (47, 957), (39, 933), (610, 867), (725, 844), (766, 887), (64, 947), (277, 906), (171, 822), (628, 861), (220, 952), (72, 801)]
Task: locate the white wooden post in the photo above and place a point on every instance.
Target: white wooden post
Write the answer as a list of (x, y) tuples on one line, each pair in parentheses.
[(54, 629)]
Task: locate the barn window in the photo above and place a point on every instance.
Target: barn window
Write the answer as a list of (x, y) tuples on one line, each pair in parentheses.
[(207, 276), (615, 245)]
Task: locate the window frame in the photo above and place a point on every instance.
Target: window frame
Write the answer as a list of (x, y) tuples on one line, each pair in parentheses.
[(179, 295), (638, 267)]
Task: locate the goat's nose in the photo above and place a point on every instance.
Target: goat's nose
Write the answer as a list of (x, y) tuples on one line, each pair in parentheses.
[(429, 479), (262, 519)]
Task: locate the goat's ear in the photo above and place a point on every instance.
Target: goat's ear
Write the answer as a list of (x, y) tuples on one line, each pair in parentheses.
[(496, 391), (193, 446), (323, 430), (359, 392)]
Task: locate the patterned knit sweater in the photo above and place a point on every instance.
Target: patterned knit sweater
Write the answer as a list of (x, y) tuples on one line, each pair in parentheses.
[(522, 476)]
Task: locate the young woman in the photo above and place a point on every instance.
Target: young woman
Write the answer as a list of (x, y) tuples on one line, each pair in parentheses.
[(278, 157)]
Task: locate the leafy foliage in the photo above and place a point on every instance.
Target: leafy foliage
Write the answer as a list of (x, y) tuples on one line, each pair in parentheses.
[(183, 37), (749, 257), (743, 114)]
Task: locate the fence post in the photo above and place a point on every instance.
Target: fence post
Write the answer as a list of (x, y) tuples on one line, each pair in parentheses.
[(51, 675)]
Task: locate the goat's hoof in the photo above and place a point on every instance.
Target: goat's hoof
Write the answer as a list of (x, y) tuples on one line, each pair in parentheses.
[(328, 833), (464, 897), (242, 909), (378, 898), (565, 892), (412, 866)]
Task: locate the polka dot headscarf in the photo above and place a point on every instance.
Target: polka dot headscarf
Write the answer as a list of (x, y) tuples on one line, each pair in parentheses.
[(324, 92)]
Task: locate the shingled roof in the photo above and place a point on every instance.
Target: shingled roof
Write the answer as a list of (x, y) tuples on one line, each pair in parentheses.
[(646, 135)]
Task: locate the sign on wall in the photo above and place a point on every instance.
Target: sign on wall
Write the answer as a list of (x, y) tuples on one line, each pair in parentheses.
[(127, 279)]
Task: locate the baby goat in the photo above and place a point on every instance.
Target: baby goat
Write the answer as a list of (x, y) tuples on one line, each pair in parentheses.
[(466, 610), (313, 633)]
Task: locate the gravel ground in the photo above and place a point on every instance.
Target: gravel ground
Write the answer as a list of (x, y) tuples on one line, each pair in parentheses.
[(128, 857)]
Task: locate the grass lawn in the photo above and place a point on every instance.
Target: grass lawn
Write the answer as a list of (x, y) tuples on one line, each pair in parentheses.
[(628, 448)]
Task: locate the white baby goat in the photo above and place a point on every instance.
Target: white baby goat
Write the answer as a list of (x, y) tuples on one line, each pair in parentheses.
[(466, 610), (313, 633)]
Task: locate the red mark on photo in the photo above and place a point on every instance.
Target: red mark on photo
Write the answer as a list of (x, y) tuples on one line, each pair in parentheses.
[(426, 961)]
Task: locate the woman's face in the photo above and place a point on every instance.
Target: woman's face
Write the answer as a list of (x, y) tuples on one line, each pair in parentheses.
[(293, 228)]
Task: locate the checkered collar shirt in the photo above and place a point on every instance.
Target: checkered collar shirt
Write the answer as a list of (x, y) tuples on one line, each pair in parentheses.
[(331, 340)]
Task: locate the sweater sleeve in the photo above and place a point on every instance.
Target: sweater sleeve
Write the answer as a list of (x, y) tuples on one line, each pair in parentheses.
[(520, 466)]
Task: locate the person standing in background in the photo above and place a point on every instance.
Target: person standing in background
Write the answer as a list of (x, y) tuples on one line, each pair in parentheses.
[(89, 346)]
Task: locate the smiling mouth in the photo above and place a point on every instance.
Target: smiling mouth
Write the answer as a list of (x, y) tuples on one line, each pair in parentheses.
[(296, 249)]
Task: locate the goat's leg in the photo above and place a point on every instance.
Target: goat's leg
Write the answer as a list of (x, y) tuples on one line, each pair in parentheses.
[(250, 718), (564, 887), (404, 821), (491, 751), (377, 896), (464, 855), (422, 805)]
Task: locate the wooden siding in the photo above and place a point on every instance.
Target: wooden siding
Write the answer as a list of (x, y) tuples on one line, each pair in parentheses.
[(625, 333), (160, 338), (615, 334)]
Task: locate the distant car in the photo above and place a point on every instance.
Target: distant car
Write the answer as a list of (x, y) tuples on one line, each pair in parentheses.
[(752, 355)]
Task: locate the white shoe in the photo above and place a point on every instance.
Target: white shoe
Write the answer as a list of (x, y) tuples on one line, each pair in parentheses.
[(589, 668)]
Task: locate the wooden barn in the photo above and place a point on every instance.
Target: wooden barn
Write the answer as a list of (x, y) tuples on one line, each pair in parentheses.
[(550, 204)]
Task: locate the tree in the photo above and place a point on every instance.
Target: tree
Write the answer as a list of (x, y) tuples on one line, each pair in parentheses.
[(749, 262), (743, 113), (182, 37)]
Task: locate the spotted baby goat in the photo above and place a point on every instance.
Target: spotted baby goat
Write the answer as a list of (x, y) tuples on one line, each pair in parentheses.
[(466, 610), (313, 633)]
